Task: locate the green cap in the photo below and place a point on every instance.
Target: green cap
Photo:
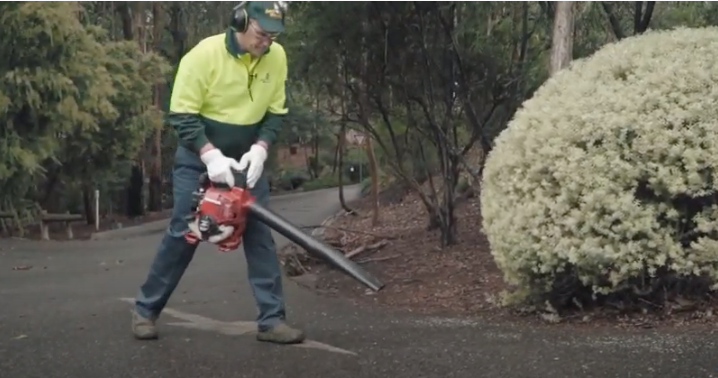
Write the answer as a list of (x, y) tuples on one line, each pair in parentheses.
[(268, 15)]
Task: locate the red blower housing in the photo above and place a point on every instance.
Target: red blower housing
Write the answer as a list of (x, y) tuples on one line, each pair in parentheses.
[(216, 206)]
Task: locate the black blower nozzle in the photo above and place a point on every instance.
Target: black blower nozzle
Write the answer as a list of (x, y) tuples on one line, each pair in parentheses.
[(314, 246)]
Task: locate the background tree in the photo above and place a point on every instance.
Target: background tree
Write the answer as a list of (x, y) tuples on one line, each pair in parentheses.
[(430, 84)]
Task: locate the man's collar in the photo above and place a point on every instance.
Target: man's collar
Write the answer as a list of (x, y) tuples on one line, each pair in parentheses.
[(230, 41), (233, 47)]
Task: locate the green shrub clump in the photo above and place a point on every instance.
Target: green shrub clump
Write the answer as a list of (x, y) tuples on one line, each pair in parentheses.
[(603, 186)]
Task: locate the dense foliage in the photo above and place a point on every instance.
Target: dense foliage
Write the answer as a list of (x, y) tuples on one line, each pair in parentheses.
[(74, 102), (433, 83), (605, 182), (426, 86)]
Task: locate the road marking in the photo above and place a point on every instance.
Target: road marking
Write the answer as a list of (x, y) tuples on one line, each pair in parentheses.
[(238, 328)]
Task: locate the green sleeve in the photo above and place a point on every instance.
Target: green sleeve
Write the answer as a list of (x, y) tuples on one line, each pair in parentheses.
[(187, 96), (269, 129), (272, 122)]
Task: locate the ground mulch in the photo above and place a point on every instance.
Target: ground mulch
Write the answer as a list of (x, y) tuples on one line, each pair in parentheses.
[(459, 280), (418, 273)]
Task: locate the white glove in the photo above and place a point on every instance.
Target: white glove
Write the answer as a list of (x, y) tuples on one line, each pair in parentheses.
[(219, 167), (255, 158)]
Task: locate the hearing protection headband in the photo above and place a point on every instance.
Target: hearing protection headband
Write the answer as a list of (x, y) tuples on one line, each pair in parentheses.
[(239, 21)]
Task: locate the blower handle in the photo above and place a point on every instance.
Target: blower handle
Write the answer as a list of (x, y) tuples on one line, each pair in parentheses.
[(240, 181)]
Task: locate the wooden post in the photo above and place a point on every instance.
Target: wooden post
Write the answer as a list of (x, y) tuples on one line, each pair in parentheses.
[(68, 226), (44, 232), (97, 210)]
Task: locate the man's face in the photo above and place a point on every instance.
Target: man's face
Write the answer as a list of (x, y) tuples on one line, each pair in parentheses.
[(257, 40)]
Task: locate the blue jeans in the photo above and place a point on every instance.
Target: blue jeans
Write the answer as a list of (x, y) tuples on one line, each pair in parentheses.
[(174, 253)]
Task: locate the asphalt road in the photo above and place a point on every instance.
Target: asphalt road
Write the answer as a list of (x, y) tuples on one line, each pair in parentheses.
[(66, 317)]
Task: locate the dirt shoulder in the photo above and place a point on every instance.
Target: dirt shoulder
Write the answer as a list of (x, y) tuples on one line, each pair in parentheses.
[(460, 280), (418, 273)]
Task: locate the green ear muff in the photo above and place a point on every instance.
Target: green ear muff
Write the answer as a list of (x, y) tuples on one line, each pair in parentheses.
[(238, 19)]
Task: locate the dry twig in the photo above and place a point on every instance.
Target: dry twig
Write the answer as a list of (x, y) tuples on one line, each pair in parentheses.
[(343, 230), (367, 248), (375, 259)]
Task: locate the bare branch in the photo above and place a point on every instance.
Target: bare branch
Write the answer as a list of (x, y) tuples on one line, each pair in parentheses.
[(613, 20)]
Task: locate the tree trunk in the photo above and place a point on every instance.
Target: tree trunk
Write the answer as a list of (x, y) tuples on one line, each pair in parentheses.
[(88, 204), (374, 180), (50, 188), (315, 148), (315, 139), (562, 38), (642, 19), (335, 161), (134, 205), (364, 106), (340, 158), (451, 178), (179, 34), (155, 196), (442, 216), (134, 193)]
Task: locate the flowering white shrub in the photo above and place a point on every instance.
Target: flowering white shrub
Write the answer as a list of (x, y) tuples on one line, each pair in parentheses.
[(605, 181)]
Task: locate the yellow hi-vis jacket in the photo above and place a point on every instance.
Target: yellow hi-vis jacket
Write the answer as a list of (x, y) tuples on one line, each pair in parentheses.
[(221, 95)]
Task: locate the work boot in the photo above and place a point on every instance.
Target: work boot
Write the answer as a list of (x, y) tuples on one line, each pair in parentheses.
[(281, 334), (143, 328)]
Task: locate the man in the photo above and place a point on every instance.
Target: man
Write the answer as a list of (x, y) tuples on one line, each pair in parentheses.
[(227, 103)]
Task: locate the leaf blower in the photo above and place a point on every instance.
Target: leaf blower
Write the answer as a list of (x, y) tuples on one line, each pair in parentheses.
[(219, 216)]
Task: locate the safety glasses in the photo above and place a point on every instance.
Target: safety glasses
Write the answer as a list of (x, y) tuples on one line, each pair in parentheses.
[(261, 34)]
